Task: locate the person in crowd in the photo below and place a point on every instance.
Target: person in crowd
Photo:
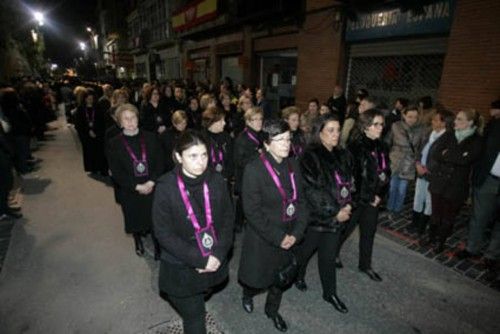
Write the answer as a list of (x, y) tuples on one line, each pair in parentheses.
[(306, 125), (220, 143), (313, 108), (193, 113), (90, 125), (338, 103), (327, 170), (371, 177), (136, 162), (167, 97), (405, 140), (486, 194), (455, 153), (324, 109), (21, 129), (169, 138), (119, 97), (291, 115), (142, 98), (276, 213), (395, 114), (361, 94), (426, 110), (154, 117), (366, 103), (262, 103), (247, 147), (244, 103), (193, 221), (231, 114), (104, 103), (179, 102), (422, 206)]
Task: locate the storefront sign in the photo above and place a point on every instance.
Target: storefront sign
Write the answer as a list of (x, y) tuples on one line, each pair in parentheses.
[(194, 14), (436, 18)]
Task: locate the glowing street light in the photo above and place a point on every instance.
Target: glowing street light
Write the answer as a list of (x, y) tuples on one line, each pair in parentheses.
[(89, 29), (39, 17), (82, 45)]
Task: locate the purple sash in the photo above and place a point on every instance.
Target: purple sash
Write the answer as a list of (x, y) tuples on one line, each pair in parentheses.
[(288, 204), (140, 166), (217, 159), (343, 190), (296, 150), (252, 137), (205, 237), (381, 166)]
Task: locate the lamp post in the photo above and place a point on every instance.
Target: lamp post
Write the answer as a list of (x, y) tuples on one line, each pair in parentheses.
[(38, 61)]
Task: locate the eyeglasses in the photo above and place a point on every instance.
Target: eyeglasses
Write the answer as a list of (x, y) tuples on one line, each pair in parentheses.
[(378, 124)]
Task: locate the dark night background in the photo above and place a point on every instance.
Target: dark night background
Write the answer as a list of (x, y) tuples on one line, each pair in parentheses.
[(65, 24)]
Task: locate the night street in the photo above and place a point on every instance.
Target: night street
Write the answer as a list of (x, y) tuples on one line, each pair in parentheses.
[(71, 269)]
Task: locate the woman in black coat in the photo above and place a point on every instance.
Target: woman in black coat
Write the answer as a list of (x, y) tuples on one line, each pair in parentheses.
[(371, 176), (193, 222), (220, 148), (154, 117), (452, 157), (169, 138), (328, 187), (91, 127), (136, 161), (291, 115), (247, 146), (276, 213)]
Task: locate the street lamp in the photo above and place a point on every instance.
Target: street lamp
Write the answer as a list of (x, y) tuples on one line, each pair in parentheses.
[(39, 17), (82, 45), (89, 29)]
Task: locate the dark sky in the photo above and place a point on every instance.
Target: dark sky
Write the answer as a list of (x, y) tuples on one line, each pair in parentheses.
[(65, 25)]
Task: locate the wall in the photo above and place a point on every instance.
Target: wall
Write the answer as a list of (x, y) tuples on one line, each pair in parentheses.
[(471, 74)]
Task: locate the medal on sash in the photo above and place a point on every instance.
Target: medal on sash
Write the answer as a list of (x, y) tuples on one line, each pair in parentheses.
[(159, 120), (381, 166), (140, 166), (90, 117), (288, 204), (343, 190), (205, 237), (217, 159)]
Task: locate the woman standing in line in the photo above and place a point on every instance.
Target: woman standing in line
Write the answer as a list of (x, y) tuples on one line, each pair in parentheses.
[(328, 187), (371, 176), (276, 213), (136, 161), (193, 222), (291, 115), (169, 138)]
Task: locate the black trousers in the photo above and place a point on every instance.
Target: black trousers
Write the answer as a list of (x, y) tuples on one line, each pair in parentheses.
[(273, 299), (192, 311), (327, 244), (444, 213), (367, 219)]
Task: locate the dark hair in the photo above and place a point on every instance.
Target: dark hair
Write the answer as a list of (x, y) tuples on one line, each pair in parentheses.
[(410, 108), (212, 115), (403, 101), (426, 102), (272, 128), (495, 104), (446, 116), (362, 93), (365, 120), (315, 100), (371, 99), (318, 126), (149, 92), (87, 93), (188, 139)]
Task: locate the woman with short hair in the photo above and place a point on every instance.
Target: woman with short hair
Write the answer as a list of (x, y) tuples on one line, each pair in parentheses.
[(193, 221), (169, 138), (276, 213), (136, 162), (291, 115)]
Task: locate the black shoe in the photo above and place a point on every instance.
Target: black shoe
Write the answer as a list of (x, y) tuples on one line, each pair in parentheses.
[(372, 274), (336, 302), (279, 323), (338, 263), (139, 247), (247, 304), (301, 285), (464, 254)]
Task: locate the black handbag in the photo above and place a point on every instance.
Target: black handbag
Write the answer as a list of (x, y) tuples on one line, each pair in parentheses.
[(288, 273)]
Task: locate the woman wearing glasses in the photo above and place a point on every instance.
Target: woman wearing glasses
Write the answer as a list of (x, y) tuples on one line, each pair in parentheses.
[(247, 146), (193, 222), (328, 187), (371, 175), (276, 214)]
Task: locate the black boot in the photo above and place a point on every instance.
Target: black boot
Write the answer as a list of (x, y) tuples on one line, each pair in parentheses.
[(139, 247), (415, 222), (156, 246), (422, 226)]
